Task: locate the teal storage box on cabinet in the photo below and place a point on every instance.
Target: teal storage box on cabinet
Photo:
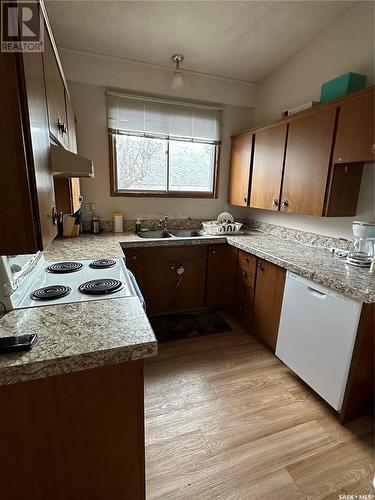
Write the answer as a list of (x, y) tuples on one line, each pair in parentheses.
[(342, 85)]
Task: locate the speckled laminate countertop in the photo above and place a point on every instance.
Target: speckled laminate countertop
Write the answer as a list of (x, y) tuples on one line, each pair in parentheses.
[(312, 262), (78, 336)]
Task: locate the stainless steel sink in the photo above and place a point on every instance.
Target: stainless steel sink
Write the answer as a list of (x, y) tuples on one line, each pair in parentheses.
[(155, 234), (185, 233)]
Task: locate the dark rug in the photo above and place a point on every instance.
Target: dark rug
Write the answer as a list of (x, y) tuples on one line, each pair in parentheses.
[(181, 326)]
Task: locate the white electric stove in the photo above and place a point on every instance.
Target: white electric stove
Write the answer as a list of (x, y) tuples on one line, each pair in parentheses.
[(30, 281)]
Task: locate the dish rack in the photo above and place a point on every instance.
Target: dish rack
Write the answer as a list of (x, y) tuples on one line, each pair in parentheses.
[(212, 227)]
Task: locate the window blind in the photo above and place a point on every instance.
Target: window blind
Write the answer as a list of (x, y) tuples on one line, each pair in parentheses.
[(156, 118)]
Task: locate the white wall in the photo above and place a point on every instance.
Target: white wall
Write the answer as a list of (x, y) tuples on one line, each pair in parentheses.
[(346, 45), (89, 75), (118, 73), (90, 108)]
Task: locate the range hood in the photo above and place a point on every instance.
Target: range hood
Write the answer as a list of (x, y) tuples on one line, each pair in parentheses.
[(64, 163)]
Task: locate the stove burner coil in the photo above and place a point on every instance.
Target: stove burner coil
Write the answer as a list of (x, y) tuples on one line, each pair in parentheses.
[(64, 267), (103, 263), (100, 286), (50, 292)]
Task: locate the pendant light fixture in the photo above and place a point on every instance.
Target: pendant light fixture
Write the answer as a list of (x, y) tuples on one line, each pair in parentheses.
[(177, 81)]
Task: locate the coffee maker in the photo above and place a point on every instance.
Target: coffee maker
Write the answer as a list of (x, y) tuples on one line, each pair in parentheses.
[(362, 248)]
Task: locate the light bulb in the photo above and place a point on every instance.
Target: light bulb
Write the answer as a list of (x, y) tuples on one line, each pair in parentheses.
[(177, 81)]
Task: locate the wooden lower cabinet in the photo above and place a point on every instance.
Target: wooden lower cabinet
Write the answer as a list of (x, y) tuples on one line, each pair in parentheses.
[(174, 278), (74, 436), (269, 289), (221, 271), (244, 288), (133, 261)]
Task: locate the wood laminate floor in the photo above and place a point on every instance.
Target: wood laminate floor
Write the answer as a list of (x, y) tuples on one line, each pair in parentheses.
[(225, 419)]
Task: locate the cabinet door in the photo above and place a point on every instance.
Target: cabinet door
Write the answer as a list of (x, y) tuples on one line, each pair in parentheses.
[(355, 131), (38, 120), (240, 164), (174, 278), (221, 272), (159, 280), (268, 163), (307, 163), (55, 91), (244, 287), (190, 286), (133, 261), (269, 289)]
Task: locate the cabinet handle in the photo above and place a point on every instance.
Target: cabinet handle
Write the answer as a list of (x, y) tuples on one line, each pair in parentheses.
[(285, 203), (373, 148), (275, 202), (61, 126), (56, 216)]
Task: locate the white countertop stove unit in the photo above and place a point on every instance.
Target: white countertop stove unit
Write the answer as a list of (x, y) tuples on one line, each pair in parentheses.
[(38, 282)]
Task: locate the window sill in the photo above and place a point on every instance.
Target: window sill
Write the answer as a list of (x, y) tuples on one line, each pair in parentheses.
[(162, 194)]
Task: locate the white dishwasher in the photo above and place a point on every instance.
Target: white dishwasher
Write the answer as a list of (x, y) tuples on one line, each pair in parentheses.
[(317, 332)]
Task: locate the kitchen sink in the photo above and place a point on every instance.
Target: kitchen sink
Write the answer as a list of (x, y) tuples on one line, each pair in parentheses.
[(155, 234), (185, 233)]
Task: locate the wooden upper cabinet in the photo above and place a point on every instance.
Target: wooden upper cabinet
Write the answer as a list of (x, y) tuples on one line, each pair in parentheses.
[(37, 111), (55, 90), (355, 130), (240, 169), (307, 162), (268, 163)]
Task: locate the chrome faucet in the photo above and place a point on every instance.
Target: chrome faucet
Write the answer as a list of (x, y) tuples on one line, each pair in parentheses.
[(163, 223)]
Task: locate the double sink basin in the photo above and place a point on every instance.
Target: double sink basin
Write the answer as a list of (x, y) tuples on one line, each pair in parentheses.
[(171, 233)]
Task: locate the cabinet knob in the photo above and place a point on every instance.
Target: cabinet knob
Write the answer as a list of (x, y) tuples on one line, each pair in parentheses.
[(244, 274), (284, 203), (134, 256), (275, 202), (339, 158), (245, 199), (213, 252), (373, 148), (61, 126), (172, 267), (260, 266), (56, 216)]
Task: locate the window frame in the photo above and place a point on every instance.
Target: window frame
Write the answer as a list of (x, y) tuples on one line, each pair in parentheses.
[(160, 194)]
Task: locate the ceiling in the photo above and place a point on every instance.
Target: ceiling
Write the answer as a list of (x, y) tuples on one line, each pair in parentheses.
[(245, 40)]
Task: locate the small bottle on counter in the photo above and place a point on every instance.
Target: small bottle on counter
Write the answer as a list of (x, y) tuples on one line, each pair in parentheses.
[(138, 226)]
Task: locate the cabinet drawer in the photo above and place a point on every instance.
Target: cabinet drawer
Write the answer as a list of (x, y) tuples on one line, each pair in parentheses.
[(247, 261)]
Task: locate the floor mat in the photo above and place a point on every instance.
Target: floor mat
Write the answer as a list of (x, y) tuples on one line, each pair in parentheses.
[(181, 326)]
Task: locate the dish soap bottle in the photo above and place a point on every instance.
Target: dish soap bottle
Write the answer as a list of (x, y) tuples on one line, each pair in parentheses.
[(138, 226)]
